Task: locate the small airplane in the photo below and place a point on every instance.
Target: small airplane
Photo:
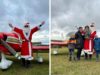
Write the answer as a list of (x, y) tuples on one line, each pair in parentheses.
[(58, 40), (58, 44), (10, 44)]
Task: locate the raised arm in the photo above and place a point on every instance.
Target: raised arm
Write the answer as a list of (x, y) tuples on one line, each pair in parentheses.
[(18, 30), (37, 27), (10, 25)]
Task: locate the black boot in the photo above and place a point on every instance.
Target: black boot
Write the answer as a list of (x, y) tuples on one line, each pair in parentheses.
[(90, 56), (23, 62), (28, 63), (86, 56)]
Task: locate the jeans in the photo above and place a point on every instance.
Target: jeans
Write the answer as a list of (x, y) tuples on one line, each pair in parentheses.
[(71, 54), (97, 54)]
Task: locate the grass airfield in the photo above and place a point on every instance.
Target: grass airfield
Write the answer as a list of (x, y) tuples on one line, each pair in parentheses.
[(60, 65), (35, 69)]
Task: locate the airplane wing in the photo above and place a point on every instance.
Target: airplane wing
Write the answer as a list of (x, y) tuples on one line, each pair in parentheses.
[(42, 48), (60, 43)]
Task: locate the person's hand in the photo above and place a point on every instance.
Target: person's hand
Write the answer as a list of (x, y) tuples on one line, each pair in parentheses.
[(10, 25), (42, 23)]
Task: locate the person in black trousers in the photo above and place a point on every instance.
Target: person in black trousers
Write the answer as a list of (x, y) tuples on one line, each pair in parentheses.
[(79, 36)]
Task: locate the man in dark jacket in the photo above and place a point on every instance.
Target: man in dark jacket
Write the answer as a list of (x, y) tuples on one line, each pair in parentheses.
[(79, 36)]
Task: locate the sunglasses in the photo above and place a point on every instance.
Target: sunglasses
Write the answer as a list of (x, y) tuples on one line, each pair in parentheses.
[(92, 26), (26, 26)]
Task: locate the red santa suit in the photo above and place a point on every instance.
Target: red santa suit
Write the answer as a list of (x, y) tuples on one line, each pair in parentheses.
[(89, 42), (26, 49)]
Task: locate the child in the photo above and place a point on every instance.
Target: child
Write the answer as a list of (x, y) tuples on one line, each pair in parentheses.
[(71, 47), (97, 47)]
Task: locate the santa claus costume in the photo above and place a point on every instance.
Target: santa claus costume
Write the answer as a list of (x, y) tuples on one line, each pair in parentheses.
[(89, 42), (26, 37)]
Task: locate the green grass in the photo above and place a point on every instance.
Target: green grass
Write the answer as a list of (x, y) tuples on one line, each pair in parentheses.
[(61, 66), (35, 69)]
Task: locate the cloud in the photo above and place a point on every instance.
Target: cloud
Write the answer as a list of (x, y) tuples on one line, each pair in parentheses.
[(17, 12), (41, 36), (66, 14)]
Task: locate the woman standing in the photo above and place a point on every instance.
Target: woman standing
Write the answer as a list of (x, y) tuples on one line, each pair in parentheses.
[(90, 33), (86, 41)]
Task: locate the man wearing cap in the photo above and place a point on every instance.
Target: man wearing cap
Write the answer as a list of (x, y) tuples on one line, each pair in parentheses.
[(26, 36)]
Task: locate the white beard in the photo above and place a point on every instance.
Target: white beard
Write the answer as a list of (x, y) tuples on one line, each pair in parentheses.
[(26, 30), (92, 29)]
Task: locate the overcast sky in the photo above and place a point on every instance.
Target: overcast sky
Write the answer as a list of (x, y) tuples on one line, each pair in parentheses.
[(66, 14), (18, 12)]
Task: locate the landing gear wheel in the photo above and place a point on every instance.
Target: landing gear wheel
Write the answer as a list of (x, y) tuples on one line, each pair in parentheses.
[(40, 60), (55, 52)]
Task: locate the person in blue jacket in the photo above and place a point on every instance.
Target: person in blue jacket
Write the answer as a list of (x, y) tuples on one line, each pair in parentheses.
[(97, 47)]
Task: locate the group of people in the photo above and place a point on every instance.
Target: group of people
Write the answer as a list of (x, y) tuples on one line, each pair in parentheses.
[(84, 40)]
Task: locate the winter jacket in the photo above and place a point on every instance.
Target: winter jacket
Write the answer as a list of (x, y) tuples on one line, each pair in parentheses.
[(97, 43), (71, 43), (79, 40)]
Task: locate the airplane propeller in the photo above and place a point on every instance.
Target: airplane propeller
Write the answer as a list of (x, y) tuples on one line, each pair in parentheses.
[(11, 50)]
